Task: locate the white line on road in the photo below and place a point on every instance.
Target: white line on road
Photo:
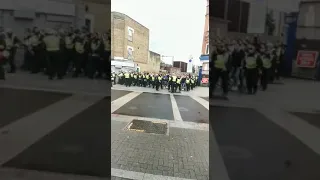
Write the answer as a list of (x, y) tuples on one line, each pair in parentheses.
[(141, 176), (173, 124), (218, 169), (201, 101), (305, 132), (27, 130), (22, 174), (118, 103), (175, 109)]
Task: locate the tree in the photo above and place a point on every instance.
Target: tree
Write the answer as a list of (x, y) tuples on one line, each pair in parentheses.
[(270, 23)]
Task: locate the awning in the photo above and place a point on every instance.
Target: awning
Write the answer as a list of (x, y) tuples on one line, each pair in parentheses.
[(204, 58)]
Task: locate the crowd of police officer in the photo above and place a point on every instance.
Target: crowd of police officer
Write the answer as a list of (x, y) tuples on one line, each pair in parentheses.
[(247, 63), (59, 52), (172, 82)]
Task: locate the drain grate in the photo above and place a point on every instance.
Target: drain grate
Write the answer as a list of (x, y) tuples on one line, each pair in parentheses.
[(148, 127)]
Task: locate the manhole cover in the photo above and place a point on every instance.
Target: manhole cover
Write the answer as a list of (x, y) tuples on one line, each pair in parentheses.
[(148, 126)]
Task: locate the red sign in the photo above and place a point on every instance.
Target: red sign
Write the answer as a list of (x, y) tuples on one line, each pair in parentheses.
[(205, 80), (307, 59)]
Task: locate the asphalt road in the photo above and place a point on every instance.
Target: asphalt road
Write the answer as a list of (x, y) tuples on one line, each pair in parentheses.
[(255, 148), (16, 104), (80, 146), (154, 105), (191, 110), (150, 105)]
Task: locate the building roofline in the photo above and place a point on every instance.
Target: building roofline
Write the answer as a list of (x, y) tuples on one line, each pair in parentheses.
[(129, 18), (154, 52)]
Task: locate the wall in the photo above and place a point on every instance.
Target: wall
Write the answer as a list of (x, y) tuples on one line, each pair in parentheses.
[(206, 31), (19, 15), (100, 10), (120, 43), (118, 26), (154, 62), (140, 41)]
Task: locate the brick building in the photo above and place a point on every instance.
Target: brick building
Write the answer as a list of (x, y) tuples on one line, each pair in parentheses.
[(130, 43)]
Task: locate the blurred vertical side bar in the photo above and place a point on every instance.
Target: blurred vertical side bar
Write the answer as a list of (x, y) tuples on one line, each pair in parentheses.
[(218, 26)]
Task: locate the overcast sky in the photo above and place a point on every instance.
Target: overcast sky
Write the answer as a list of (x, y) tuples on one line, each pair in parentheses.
[(176, 26)]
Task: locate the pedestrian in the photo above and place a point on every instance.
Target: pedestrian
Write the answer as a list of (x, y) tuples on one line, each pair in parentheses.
[(55, 62), (11, 46)]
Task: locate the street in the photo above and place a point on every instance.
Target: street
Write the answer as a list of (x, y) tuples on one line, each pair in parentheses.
[(58, 127), (273, 135), (57, 130)]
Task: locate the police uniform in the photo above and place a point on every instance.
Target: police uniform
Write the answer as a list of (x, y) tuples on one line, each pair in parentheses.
[(106, 55), (35, 51), (127, 79), (69, 51), (266, 67), (252, 65), (4, 55), (11, 46), (55, 62), (173, 83), (179, 84), (27, 51), (79, 45), (94, 64), (188, 84), (219, 71)]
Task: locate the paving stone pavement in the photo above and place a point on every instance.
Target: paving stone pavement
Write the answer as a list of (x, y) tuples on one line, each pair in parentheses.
[(184, 153)]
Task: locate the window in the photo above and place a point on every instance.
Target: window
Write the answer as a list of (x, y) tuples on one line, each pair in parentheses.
[(130, 34), (130, 53), (207, 49)]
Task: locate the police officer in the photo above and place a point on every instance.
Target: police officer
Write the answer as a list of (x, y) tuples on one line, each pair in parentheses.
[(266, 66), (219, 70), (127, 79), (178, 85), (35, 50), (252, 66), (11, 46), (69, 51), (173, 83), (27, 52), (79, 54), (55, 63), (4, 55), (95, 56), (188, 83), (106, 55), (157, 81)]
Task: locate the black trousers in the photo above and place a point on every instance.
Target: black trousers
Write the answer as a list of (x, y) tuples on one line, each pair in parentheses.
[(218, 74), (35, 60), (78, 61), (106, 64), (11, 60), (93, 66), (173, 86), (69, 58), (188, 86), (55, 64), (252, 76), (264, 79)]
